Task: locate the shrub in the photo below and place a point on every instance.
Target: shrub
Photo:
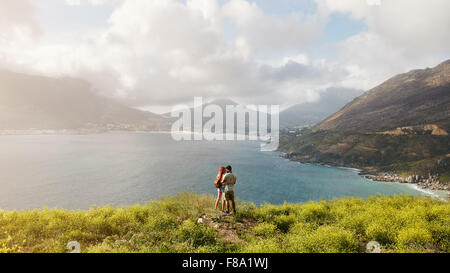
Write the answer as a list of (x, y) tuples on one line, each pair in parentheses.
[(284, 222), (357, 223), (316, 213), (326, 239), (160, 222), (399, 223), (382, 231), (270, 245), (413, 238), (265, 229), (196, 234)]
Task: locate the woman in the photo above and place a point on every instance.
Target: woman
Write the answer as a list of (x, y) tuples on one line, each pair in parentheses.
[(220, 188)]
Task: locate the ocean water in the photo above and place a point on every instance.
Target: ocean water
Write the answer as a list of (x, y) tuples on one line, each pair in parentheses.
[(78, 171)]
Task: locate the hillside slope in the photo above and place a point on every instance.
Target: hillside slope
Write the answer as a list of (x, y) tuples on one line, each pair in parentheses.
[(400, 126), (37, 102), (418, 97)]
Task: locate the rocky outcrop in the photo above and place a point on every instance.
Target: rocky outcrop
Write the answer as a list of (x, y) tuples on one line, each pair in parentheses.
[(431, 182)]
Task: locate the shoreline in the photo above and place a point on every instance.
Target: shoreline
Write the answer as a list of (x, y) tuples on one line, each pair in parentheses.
[(73, 132), (429, 185), (423, 182)]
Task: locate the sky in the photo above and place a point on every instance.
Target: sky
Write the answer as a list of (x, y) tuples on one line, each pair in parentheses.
[(153, 54)]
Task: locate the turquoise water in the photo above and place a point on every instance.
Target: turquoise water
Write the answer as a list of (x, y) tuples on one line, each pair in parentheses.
[(77, 171)]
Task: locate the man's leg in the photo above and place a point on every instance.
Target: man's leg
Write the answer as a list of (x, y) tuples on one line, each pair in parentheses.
[(224, 203), (231, 195)]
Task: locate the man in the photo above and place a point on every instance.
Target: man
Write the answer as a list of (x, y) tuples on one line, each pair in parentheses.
[(229, 180)]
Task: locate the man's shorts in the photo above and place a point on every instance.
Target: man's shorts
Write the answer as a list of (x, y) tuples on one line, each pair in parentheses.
[(229, 195)]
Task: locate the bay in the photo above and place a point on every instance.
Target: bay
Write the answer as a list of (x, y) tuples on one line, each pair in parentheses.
[(78, 171)]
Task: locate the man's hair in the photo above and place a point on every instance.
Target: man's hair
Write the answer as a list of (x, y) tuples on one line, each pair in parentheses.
[(228, 168)]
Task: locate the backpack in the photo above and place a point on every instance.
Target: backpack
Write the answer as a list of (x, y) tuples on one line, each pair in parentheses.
[(218, 183)]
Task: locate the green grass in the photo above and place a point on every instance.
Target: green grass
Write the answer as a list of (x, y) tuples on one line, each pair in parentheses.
[(445, 177), (399, 224)]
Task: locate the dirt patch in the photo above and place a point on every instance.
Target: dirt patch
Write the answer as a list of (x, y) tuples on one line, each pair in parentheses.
[(228, 226)]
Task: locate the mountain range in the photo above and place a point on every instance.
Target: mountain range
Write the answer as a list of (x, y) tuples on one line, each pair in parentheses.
[(38, 102), (33, 102), (419, 97), (400, 126), (311, 113)]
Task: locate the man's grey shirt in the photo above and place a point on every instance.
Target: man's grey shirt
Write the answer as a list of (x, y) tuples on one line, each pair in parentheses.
[(228, 178)]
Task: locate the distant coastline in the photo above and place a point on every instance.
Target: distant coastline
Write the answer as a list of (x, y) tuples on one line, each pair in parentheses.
[(73, 132), (429, 185)]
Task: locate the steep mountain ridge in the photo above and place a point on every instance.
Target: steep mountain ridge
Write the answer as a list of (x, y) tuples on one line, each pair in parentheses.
[(400, 127), (418, 97)]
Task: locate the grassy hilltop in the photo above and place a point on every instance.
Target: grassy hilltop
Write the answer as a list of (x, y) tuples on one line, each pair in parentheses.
[(399, 224)]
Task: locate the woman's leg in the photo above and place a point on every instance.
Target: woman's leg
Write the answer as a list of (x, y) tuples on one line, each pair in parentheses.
[(219, 196)]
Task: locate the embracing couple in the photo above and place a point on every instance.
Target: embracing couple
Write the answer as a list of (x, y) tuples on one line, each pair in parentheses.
[(224, 184)]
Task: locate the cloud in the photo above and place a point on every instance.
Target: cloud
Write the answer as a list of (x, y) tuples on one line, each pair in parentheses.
[(17, 17), (164, 52), (262, 31), (316, 73), (89, 2), (19, 29), (402, 35), (167, 51), (401, 21)]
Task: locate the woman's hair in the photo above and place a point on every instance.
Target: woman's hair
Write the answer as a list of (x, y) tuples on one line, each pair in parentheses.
[(221, 171), (220, 174)]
